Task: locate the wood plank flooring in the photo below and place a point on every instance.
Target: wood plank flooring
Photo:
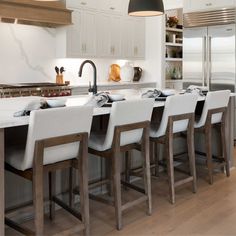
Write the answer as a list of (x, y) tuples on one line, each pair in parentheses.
[(209, 212)]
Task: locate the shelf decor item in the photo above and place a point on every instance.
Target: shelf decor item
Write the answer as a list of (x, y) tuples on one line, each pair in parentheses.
[(146, 8), (172, 21), (127, 72)]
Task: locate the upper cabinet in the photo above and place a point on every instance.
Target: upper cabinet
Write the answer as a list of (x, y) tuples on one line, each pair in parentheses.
[(79, 39), (204, 5), (134, 40), (104, 31)]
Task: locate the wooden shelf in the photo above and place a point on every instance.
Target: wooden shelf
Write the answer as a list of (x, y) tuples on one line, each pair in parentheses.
[(174, 30), (174, 44), (174, 59)]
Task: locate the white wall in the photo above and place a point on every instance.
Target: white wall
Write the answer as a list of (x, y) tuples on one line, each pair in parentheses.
[(26, 53)]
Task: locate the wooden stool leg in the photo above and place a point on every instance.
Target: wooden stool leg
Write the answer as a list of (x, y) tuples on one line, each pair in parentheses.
[(156, 157), (209, 153), (83, 185), (52, 192), (38, 189), (191, 154), (128, 156), (71, 187), (224, 152), (170, 168), (108, 164), (117, 188), (146, 170)]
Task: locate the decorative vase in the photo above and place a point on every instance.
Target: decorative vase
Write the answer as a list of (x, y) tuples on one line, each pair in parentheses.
[(127, 72)]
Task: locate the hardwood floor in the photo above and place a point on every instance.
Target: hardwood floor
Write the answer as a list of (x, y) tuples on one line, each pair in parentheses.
[(209, 212)]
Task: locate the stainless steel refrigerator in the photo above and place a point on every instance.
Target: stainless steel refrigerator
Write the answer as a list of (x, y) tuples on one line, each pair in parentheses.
[(209, 54)]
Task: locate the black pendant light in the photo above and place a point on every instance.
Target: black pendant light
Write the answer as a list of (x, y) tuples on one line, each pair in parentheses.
[(146, 8)]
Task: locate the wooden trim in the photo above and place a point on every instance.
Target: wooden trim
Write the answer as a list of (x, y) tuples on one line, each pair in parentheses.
[(35, 13)]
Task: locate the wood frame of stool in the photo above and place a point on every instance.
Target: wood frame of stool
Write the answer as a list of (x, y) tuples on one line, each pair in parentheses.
[(167, 140), (207, 130), (36, 176), (113, 154)]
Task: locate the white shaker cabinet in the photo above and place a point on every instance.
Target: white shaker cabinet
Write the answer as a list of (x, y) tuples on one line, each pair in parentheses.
[(205, 5), (109, 36), (133, 38), (79, 39)]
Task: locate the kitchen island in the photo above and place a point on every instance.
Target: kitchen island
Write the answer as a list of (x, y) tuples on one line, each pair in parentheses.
[(10, 105)]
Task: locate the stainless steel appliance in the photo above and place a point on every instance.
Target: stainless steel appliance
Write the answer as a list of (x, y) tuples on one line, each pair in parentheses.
[(209, 50)]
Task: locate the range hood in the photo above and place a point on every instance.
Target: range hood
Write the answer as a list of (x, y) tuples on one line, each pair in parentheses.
[(46, 14)]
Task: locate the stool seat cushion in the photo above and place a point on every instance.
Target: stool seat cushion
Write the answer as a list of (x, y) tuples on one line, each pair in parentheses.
[(15, 155)]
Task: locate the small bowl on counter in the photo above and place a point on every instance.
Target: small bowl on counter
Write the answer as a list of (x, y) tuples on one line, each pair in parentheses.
[(56, 102), (116, 97)]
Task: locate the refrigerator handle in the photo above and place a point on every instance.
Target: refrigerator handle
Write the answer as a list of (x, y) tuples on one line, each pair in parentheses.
[(204, 61), (210, 62)]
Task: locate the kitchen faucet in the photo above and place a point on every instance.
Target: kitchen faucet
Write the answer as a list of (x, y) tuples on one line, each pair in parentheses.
[(94, 89)]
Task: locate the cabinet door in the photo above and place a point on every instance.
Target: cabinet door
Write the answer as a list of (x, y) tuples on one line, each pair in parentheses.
[(139, 38), (109, 36), (128, 38), (134, 38), (88, 33), (89, 4), (115, 39), (103, 36), (204, 5), (73, 36)]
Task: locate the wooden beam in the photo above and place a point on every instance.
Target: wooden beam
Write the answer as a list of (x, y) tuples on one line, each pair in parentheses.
[(36, 13)]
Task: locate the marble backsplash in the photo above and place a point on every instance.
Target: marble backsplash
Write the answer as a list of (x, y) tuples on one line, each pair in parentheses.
[(28, 54)]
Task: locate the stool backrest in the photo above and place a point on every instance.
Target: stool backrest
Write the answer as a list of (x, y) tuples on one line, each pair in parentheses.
[(176, 105), (56, 122), (128, 112), (214, 100)]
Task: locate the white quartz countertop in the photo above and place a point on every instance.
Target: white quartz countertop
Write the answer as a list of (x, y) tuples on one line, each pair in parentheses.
[(8, 106)]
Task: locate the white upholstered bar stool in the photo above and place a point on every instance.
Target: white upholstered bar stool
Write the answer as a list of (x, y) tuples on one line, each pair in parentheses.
[(214, 115), (128, 127), (57, 139), (178, 117)]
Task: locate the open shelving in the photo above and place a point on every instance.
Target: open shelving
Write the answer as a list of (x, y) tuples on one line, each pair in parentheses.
[(174, 51)]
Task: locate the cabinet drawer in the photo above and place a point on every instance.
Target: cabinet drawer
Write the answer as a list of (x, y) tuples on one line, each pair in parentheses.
[(90, 4), (114, 6)]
